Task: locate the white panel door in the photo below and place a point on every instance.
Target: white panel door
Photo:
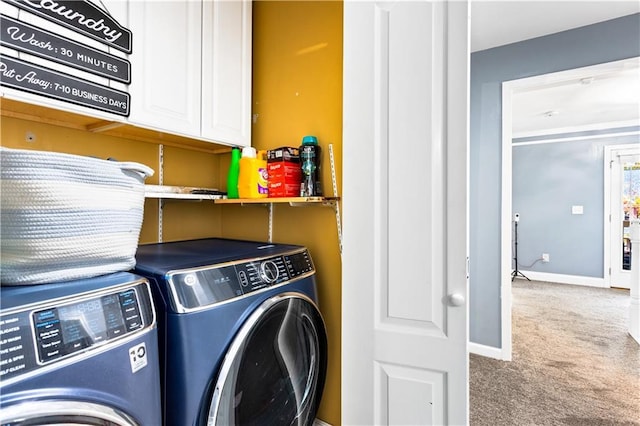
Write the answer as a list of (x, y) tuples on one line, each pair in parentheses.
[(166, 65), (405, 162)]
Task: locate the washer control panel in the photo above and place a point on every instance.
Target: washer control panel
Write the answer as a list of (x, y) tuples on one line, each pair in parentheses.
[(63, 330), (199, 287), (39, 335)]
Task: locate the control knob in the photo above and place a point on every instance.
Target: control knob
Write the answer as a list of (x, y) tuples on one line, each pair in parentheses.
[(269, 271)]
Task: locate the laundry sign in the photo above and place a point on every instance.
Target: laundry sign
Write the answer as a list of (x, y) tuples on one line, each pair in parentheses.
[(36, 41), (81, 16), (22, 75)]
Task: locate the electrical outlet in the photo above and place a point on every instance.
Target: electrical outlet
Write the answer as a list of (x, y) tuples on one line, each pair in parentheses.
[(545, 257)]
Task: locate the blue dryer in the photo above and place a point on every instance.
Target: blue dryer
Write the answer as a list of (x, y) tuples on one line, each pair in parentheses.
[(80, 352), (242, 340)]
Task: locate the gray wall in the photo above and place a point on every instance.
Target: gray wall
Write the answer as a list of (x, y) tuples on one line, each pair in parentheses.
[(594, 44), (550, 178)]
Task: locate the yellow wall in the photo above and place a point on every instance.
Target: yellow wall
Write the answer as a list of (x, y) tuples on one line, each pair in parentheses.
[(297, 91)]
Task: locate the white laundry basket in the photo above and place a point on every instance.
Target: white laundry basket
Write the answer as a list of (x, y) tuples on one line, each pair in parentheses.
[(66, 216)]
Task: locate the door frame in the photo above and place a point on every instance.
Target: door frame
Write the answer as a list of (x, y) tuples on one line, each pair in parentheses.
[(509, 89), (609, 154)]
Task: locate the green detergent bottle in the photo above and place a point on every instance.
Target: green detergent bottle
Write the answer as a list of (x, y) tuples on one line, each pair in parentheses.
[(234, 172)]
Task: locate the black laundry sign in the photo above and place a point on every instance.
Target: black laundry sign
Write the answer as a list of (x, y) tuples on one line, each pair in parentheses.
[(81, 16), (27, 38), (32, 78)]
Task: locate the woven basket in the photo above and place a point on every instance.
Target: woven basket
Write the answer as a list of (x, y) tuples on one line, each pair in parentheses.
[(66, 217)]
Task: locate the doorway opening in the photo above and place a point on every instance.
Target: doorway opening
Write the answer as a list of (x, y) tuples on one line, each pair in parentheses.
[(510, 90), (622, 186)]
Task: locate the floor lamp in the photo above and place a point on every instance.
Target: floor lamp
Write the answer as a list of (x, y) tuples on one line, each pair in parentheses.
[(516, 272)]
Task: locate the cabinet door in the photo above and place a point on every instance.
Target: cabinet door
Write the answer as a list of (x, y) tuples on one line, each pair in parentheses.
[(166, 65), (226, 71)]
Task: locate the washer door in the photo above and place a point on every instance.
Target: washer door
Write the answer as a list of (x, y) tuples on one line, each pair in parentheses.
[(275, 369), (63, 412)]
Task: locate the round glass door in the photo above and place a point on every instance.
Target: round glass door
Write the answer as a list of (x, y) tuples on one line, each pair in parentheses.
[(274, 371)]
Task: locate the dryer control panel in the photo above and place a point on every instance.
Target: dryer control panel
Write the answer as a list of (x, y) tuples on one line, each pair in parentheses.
[(205, 286), (36, 336)]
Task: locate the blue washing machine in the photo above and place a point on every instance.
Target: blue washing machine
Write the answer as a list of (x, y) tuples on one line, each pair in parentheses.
[(242, 340), (80, 352)]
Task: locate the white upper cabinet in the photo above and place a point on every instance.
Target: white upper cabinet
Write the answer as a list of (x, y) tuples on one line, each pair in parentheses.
[(166, 72), (226, 71), (191, 66)]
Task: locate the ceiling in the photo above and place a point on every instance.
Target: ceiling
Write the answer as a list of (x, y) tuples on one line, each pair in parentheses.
[(496, 23), (591, 98), (583, 100)]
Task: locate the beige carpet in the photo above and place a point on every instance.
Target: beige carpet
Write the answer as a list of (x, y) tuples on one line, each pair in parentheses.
[(573, 361)]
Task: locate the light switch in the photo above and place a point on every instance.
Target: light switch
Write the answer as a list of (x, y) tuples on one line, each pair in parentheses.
[(577, 209)]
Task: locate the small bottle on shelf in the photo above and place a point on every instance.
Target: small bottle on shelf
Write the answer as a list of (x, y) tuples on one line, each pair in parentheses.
[(310, 153)]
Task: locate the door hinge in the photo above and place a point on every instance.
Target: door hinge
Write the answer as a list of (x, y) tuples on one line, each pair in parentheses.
[(609, 271), (468, 267)]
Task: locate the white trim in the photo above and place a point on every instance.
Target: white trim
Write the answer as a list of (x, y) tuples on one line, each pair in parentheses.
[(506, 331), (506, 220), (565, 279), (318, 422), (608, 157), (606, 214), (577, 138), (508, 89), (488, 351)]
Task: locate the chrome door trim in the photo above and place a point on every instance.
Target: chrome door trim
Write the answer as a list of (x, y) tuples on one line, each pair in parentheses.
[(61, 412), (239, 341)]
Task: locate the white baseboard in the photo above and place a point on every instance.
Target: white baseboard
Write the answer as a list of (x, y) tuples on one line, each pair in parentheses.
[(318, 422), (565, 279), (488, 351)]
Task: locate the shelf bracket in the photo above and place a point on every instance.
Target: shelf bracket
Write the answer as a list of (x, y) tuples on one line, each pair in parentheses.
[(336, 202), (270, 223), (160, 182)]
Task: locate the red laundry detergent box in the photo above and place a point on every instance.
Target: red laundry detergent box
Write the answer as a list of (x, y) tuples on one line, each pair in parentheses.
[(283, 166), (289, 172), (281, 189)]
